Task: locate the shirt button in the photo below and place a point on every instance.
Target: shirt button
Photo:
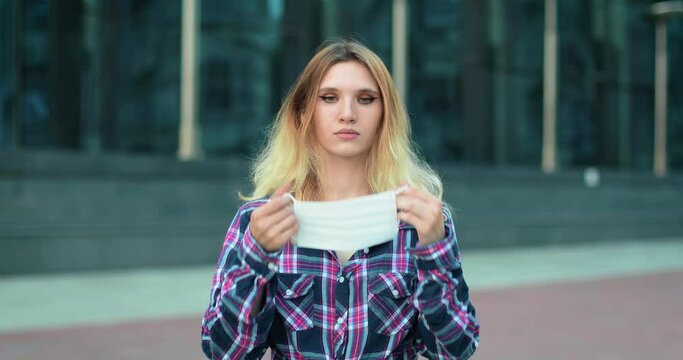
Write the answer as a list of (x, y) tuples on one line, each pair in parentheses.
[(366, 250), (340, 320), (395, 292), (272, 267), (341, 279), (288, 292)]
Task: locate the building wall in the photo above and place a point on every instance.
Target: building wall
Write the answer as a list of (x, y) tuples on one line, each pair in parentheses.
[(66, 212), (104, 77), (90, 112)]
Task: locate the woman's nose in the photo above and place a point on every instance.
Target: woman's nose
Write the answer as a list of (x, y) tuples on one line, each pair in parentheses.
[(348, 112)]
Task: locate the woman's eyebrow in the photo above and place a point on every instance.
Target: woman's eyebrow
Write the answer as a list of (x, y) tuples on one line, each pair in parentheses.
[(371, 91), (363, 90)]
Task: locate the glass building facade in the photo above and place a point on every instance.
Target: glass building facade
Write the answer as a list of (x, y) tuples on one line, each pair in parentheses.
[(98, 76)]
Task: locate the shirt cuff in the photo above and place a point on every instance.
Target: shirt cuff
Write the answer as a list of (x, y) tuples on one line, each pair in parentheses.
[(440, 255), (261, 261)]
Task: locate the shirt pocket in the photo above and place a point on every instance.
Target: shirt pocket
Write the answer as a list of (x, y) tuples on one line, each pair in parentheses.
[(389, 303), (294, 300)]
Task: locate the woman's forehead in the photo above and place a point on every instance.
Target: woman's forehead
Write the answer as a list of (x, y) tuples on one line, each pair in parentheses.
[(348, 75)]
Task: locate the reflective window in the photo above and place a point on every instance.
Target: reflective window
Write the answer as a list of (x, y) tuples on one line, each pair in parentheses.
[(135, 74), (104, 76), (434, 94), (516, 33), (675, 115), (240, 43)]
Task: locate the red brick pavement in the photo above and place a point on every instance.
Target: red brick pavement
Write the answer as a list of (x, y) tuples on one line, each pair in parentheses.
[(636, 317), (626, 318), (161, 339)]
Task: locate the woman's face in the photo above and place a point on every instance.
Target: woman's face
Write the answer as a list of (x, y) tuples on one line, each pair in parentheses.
[(348, 111)]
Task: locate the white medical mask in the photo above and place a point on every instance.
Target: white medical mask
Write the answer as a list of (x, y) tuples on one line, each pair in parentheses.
[(346, 225)]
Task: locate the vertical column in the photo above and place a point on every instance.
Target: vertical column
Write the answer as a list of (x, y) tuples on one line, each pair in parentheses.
[(108, 73), (189, 134), (497, 34), (549, 155), (477, 91), (299, 35), (619, 17), (330, 15), (400, 47), (662, 11), (18, 74), (92, 116), (660, 163), (64, 73)]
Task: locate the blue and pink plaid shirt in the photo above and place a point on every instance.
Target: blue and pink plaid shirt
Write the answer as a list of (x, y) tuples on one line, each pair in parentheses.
[(390, 301)]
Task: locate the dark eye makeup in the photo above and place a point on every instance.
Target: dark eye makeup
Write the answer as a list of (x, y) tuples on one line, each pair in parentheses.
[(328, 98), (363, 100)]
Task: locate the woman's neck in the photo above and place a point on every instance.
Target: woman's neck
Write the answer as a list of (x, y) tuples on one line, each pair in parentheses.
[(344, 179)]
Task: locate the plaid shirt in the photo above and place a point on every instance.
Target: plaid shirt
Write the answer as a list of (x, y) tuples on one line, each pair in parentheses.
[(391, 301)]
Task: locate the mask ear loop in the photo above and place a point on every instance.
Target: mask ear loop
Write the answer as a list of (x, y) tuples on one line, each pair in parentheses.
[(396, 192), (401, 189), (291, 197)]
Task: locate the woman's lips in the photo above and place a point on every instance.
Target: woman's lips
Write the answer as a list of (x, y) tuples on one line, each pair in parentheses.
[(347, 134)]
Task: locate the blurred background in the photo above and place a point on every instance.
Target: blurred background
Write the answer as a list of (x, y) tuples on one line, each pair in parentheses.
[(127, 128)]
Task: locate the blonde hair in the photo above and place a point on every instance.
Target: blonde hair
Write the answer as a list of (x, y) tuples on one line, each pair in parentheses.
[(289, 155)]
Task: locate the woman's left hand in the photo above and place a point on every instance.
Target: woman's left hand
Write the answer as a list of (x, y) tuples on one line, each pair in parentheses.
[(423, 211)]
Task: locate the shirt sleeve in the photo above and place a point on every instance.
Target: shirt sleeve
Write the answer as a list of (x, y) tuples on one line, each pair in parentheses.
[(447, 322), (243, 269)]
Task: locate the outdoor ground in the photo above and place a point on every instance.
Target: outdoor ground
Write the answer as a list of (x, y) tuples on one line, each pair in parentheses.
[(621, 300)]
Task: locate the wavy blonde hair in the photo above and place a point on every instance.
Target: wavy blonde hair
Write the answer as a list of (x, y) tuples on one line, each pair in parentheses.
[(290, 157)]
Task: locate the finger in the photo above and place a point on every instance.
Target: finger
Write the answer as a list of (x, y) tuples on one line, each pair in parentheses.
[(282, 225), (289, 233), (282, 189), (424, 196), (400, 189), (282, 237), (408, 203), (277, 200), (432, 205), (410, 218), (274, 205), (274, 230), (412, 204), (273, 219)]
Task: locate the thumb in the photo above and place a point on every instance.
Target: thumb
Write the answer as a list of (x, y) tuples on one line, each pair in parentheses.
[(403, 187), (282, 189)]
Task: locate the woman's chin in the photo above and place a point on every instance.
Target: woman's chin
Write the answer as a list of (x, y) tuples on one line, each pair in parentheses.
[(350, 154)]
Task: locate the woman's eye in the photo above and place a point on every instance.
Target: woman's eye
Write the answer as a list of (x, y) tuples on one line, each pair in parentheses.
[(328, 98), (366, 100)]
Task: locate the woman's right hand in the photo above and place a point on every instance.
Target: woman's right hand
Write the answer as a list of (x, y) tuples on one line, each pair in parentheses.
[(273, 224)]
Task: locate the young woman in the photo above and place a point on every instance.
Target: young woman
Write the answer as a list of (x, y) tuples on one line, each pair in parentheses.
[(342, 132)]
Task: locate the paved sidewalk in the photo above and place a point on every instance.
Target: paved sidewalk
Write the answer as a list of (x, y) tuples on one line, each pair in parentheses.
[(604, 301), (628, 318)]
